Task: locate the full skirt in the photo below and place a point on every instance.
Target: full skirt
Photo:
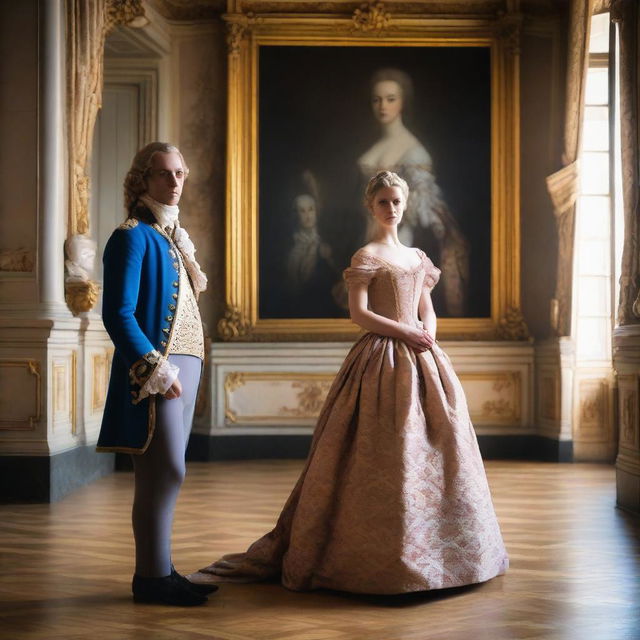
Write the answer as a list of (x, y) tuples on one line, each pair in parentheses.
[(393, 497)]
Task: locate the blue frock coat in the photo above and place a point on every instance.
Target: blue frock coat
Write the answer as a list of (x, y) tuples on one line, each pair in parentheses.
[(141, 281)]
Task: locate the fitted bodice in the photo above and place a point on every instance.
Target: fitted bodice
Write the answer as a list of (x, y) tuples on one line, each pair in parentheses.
[(394, 291)]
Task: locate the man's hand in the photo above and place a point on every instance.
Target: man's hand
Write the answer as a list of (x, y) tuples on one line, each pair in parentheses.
[(174, 391)]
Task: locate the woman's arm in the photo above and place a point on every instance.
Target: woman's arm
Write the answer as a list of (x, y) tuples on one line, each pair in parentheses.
[(360, 314), (427, 313)]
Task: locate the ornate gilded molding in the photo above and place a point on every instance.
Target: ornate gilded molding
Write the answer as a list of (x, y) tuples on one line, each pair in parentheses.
[(512, 326), (129, 12), (509, 29), (235, 33), (17, 260), (234, 326), (410, 26), (81, 296), (370, 18)]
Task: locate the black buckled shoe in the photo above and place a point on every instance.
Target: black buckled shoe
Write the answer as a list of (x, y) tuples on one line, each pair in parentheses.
[(166, 590), (202, 589)]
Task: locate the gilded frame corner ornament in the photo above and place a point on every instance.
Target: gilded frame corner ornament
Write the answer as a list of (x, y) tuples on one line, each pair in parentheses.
[(246, 32)]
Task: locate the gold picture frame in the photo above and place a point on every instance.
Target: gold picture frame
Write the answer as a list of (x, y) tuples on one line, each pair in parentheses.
[(368, 26)]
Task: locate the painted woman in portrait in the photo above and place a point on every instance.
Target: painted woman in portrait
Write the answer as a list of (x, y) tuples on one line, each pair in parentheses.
[(427, 218)]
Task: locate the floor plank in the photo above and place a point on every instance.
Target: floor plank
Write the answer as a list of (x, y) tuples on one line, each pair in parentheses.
[(575, 565)]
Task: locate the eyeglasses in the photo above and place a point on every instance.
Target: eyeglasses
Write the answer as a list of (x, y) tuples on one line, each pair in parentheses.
[(164, 174)]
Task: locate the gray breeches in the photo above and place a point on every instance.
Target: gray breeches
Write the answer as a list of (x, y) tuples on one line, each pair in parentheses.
[(160, 470)]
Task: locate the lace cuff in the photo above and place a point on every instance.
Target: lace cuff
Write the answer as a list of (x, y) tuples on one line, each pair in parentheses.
[(151, 374)]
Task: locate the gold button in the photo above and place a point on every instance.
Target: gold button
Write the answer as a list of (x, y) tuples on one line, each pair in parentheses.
[(166, 330), (175, 283), (176, 266), (169, 318), (174, 296), (163, 343), (172, 307)]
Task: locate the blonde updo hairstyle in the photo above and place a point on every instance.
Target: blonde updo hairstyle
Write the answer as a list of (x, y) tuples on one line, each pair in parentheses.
[(135, 182), (381, 180)]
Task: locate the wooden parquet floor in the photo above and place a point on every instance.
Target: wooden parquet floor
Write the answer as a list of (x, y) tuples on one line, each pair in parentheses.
[(575, 566)]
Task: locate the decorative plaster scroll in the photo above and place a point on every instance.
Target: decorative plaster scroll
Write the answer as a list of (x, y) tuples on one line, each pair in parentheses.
[(233, 326), (269, 397), (20, 394), (512, 325), (371, 19), (310, 398), (18, 260), (235, 33), (493, 397)]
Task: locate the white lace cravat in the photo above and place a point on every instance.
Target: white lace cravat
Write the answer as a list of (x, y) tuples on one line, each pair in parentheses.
[(167, 217), (165, 214)]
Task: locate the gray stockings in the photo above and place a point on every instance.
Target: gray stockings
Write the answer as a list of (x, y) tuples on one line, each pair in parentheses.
[(159, 473)]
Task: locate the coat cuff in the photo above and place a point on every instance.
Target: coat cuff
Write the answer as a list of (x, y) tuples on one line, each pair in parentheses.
[(151, 374)]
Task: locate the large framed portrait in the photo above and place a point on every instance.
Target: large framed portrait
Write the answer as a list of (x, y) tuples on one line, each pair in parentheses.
[(316, 107)]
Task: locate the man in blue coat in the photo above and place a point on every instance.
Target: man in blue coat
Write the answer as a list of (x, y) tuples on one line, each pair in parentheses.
[(151, 285)]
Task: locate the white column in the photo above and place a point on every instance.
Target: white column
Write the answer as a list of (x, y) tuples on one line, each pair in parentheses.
[(52, 179)]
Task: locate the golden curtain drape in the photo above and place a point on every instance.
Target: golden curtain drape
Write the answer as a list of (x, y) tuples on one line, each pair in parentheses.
[(627, 15), (88, 22), (563, 184)]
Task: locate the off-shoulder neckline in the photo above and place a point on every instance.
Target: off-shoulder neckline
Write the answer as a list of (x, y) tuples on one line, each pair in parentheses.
[(393, 265)]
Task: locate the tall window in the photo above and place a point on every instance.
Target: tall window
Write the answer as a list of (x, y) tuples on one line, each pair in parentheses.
[(596, 257), (595, 283)]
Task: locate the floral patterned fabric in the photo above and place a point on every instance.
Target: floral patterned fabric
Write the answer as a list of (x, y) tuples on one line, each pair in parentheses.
[(393, 497)]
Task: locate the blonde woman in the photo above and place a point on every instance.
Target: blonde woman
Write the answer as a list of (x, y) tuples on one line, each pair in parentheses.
[(393, 497)]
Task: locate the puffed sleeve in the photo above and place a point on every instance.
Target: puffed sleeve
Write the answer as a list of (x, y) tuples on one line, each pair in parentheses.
[(362, 270), (431, 272)]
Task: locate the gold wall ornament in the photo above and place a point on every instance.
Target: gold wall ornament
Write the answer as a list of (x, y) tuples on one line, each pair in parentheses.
[(234, 380), (233, 326), (310, 398), (370, 17), (17, 260), (328, 27), (81, 296), (129, 12), (235, 33), (497, 409), (512, 326)]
